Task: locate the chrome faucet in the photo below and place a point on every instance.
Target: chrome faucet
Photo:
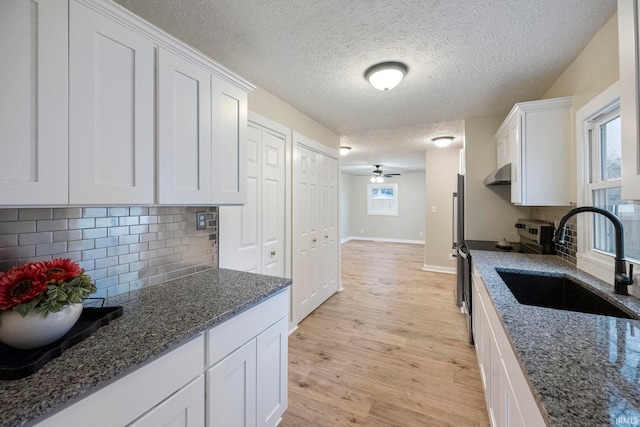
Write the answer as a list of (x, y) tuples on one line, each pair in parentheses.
[(621, 279)]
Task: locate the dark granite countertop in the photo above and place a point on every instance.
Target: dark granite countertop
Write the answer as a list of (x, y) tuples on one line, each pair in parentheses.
[(156, 319), (583, 369)]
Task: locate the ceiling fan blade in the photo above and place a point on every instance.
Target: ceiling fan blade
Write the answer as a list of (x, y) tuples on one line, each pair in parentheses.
[(391, 175)]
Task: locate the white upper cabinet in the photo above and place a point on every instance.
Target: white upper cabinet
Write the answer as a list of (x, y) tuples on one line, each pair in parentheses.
[(184, 131), (111, 123), (79, 116), (33, 111), (629, 39), (229, 159), (540, 152)]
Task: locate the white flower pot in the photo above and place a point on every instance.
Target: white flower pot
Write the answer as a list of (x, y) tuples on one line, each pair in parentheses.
[(35, 330)]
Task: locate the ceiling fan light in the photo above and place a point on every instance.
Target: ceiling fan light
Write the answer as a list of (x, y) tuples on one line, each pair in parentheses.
[(386, 75), (379, 180), (442, 141), (373, 179), (344, 150)]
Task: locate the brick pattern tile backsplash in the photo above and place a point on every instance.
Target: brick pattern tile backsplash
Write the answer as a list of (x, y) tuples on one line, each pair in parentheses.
[(121, 248)]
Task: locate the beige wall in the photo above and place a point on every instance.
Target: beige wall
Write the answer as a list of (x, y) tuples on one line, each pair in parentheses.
[(441, 183), (346, 182), (272, 107), (489, 213), (409, 223), (593, 71)]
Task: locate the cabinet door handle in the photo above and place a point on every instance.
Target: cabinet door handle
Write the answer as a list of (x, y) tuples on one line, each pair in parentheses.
[(273, 253), (314, 240)]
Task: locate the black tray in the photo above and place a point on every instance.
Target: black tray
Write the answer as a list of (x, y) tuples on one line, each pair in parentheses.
[(16, 364)]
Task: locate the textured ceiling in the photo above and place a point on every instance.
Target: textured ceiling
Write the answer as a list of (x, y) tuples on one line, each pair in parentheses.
[(465, 58)]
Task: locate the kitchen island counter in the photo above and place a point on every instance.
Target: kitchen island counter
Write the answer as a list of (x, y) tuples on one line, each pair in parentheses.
[(583, 369), (156, 320)]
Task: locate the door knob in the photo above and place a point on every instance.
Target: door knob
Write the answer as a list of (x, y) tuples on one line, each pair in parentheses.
[(326, 237), (273, 253), (314, 240)]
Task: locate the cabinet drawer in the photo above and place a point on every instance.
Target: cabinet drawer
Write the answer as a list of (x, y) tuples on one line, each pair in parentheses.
[(230, 335), (126, 399)]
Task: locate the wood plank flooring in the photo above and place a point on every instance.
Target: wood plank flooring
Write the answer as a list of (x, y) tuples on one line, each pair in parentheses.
[(389, 350)]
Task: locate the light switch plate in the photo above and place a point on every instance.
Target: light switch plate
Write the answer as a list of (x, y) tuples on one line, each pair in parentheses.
[(201, 220)]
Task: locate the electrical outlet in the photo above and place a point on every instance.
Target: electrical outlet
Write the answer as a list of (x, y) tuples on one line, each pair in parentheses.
[(362, 231), (450, 257), (201, 220), (421, 234)]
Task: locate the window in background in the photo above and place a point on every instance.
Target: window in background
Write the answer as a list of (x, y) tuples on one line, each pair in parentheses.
[(604, 189)]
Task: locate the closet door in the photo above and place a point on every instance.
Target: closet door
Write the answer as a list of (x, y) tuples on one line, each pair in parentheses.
[(328, 227), (306, 255), (273, 204), (33, 111), (239, 229), (252, 236), (111, 108), (184, 131)]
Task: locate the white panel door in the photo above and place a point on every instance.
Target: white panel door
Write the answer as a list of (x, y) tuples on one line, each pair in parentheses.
[(328, 226), (111, 111), (231, 389), (252, 236), (184, 131), (272, 361), (240, 226), (305, 234), (33, 111), (273, 204), (229, 142), (182, 409)]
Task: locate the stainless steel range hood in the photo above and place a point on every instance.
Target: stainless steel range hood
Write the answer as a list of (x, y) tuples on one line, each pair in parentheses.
[(500, 177)]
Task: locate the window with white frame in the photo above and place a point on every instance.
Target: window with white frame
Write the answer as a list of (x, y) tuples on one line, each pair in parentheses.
[(604, 173)]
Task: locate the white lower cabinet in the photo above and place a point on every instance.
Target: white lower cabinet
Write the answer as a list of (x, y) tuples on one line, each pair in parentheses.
[(183, 409), (234, 374), (247, 380), (232, 389), (509, 399)]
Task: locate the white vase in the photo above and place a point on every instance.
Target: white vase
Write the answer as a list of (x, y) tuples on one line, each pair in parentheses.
[(35, 330)]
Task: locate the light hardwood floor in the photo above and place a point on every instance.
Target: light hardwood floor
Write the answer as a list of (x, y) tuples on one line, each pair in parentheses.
[(389, 350)]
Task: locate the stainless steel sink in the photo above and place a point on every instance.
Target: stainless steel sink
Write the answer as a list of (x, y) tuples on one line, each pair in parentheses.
[(559, 292)]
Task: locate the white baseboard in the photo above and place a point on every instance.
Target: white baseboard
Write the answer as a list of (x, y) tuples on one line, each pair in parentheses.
[(383, 239), (440, 269), (292, 328)]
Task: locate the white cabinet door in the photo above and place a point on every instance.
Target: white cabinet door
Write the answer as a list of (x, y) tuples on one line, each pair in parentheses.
[(184, 131), (272, 373), (515, 147), (111, 111), (231, 389), (182, 409), (34, 109), (629, 40), (229, 127)]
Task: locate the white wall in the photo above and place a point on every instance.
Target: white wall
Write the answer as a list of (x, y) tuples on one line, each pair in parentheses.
[(441, 183), (489, 213), (345, 197), (409, 223)]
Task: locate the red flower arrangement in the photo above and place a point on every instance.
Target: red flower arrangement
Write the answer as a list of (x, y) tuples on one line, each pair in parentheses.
[(44, 286)]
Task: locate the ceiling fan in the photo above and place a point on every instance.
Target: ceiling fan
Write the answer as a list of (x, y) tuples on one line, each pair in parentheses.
[(377, 175)]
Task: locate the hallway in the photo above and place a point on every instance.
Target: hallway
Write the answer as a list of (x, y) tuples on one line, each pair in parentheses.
[(389, 350)]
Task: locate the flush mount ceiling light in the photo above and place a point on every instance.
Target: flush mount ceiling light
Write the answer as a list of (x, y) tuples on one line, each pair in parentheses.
[(386, 75), (442, 141), (344, 150)]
